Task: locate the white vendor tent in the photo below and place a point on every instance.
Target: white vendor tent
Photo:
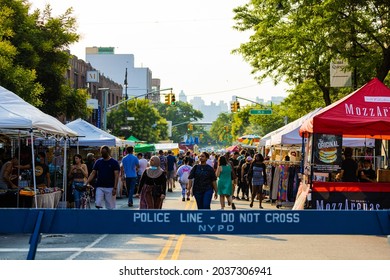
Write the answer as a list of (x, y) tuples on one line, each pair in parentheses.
[(40, 121), (359, 142), (91, 136), (174, 147), (289, 135), (10, 120), (265, 141), (14, 110)]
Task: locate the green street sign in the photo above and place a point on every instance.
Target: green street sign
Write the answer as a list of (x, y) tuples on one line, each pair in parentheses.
[(260, 112)]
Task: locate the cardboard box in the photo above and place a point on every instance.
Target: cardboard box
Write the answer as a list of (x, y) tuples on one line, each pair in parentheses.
[(383, 175)]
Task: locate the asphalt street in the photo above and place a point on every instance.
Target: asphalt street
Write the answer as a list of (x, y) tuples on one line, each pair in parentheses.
[(197, 247)]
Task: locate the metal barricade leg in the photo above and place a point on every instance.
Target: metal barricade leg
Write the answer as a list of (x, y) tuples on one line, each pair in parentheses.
[(35, 237)]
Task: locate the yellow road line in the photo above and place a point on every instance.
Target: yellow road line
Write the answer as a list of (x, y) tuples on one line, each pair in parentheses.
[(179, 242), (188, 204), (176, 252), (166, 248)]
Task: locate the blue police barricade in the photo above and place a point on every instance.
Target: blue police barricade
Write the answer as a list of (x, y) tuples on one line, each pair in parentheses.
[(55, 221)]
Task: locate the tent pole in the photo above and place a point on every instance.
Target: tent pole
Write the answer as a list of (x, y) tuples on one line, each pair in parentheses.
[(18, 194), (387, 157), (64, 173), (33, 168), (302, 168)]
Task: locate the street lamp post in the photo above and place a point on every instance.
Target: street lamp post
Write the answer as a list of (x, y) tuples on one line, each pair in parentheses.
[(105, 93)]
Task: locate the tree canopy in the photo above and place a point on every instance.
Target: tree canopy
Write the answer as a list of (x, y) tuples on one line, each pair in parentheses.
[(181, 114), (147, 125), (295, 41), (34, 57)]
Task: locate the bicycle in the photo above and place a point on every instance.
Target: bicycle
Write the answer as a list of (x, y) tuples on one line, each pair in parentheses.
[(85, 201)]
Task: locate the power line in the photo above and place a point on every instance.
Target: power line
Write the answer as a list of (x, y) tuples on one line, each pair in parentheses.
[(221, 91), (121, 22)]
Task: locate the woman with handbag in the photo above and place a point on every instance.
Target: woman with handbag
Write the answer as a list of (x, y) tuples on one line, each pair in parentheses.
[(153, 185), (79, 174)]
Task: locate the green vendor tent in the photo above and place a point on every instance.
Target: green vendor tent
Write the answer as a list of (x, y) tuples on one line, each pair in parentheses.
[(141, 146), (134, 139), (144, 148)]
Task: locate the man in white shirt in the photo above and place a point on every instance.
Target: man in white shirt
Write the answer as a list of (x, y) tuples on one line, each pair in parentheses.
[(143, 164)]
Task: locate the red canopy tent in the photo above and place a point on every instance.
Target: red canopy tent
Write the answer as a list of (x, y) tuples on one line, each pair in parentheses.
[(365, 113)]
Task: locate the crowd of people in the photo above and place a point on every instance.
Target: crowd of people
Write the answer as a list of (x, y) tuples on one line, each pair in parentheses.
[(229, 177), (203, 176), (150, 178)]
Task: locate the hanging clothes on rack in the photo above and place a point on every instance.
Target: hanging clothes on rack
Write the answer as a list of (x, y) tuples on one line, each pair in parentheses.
[(275, 183), (293, 183), (283, 182)]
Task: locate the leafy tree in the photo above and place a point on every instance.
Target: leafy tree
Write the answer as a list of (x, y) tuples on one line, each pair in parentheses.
[(240, 122), (221, 129), (295, 40), (14, 76), (148, 124), (263, 124), (33, 47), (75, 103), (205, 138), (181, 114)]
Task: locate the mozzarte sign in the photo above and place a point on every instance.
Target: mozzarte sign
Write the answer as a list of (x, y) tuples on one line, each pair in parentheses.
[(350, 196)]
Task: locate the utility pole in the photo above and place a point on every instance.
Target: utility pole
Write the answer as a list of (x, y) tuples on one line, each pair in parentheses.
[(125, 84), (126, 97)]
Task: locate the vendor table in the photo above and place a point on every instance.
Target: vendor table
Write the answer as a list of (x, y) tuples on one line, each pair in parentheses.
[(47, 200), (350, 196)]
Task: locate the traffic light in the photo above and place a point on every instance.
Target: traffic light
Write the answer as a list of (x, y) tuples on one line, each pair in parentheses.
[(190, 126), (173, 99), (168, 99), (233, 106), (237, 106)]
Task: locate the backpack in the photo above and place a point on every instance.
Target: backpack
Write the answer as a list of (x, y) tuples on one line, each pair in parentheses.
[(184, 177)]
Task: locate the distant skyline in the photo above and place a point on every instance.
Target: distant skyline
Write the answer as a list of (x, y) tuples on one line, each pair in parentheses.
[(212, 110), (187, 45)]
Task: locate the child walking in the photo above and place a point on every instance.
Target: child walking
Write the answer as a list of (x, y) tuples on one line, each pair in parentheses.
[(183, 172)]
